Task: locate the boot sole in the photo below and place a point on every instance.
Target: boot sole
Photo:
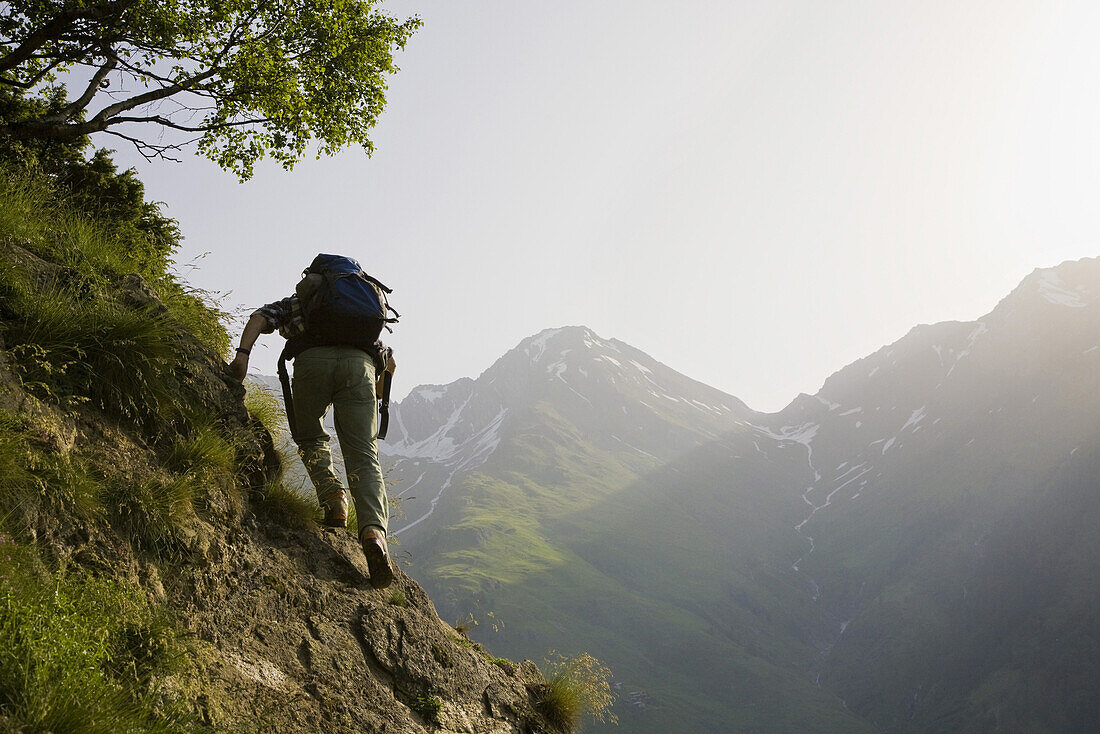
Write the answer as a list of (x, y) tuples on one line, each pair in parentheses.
[(378, 564)]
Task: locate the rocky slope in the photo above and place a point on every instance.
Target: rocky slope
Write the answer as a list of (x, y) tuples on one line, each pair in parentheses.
[(292, 638), (173, 494)]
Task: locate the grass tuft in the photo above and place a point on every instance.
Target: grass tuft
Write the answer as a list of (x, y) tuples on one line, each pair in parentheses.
[(73, 344), (288, 506), (32, 214), (154, 510), (266, 407), (36, 482), (576, 687), (205, 453)]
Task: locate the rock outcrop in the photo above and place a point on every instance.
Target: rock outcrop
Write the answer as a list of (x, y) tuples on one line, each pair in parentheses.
[(282, 631)]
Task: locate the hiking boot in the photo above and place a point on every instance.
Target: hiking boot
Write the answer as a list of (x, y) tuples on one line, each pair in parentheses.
[(373, 541), (335, 506)]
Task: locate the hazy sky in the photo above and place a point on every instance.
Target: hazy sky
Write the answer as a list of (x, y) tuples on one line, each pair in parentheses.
[(755, 193)]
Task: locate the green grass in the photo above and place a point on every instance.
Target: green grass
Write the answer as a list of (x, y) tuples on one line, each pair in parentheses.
[(35, 479), (281, 500), (266, 407), (90, 252), (287, 505), (77, 347), (504, 664), (107, 430), (428, 707), (80, 654), (75, 344), (576, 687), (204, 452)]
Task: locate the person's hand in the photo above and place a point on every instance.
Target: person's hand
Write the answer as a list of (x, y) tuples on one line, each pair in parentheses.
[(239, 367)]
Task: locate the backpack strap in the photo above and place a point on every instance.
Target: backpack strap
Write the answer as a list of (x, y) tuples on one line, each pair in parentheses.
[(371, 279), (384, 407), (288, 396), (386, 290)]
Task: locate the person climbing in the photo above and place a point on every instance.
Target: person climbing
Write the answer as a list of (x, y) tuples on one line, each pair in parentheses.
[(332, 324)]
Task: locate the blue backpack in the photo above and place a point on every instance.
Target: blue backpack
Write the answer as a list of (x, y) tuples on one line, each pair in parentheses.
[(341, 305)]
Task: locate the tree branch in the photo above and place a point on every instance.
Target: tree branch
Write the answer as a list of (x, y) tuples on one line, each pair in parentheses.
[(148, 151), (73, 108), (55, 62), (160, 120), (152, 96), (56, 27)]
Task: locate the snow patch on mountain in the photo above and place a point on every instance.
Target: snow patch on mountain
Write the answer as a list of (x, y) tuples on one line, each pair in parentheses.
[(439, 446), (979, 329), (472, 453), (536, 345), (914, 418), (428, 393), (1055, 290)]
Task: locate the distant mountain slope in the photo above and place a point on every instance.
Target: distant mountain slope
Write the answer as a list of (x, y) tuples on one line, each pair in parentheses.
[(560, 472), (743, 571)]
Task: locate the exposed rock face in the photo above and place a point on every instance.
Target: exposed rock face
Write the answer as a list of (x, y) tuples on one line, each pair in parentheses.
[(286, 633), (294, 639)]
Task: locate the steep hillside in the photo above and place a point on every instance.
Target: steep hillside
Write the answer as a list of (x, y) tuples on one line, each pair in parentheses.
[(976, 445), (584, 497), (742, 571), (156, 574)]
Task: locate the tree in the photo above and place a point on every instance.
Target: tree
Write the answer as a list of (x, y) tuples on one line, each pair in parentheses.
[(242, 78)]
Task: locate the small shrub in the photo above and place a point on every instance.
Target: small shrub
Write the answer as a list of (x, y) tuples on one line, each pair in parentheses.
[(576, 687), (428, 707), (398, 599)]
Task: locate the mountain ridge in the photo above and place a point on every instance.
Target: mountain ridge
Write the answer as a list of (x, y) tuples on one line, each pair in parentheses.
[(812, 517)]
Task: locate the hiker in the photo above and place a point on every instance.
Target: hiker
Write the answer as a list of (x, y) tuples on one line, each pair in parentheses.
[(332, 324)]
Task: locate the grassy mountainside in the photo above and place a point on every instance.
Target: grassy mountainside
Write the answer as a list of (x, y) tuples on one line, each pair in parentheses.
[(908, 550), (672, 585), (155, 573), (602, 524)]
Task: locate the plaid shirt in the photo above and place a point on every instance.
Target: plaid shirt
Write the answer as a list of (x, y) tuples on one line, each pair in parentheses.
[(284, 315)]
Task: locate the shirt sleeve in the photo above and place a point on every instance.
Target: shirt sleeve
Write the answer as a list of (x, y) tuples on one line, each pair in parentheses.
[(278, 314)]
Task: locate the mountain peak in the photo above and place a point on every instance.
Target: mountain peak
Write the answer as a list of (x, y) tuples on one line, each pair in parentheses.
[(557, 341), (1072, 284)]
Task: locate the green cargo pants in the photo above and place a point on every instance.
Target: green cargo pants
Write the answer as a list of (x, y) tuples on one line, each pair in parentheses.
[(342, 377)]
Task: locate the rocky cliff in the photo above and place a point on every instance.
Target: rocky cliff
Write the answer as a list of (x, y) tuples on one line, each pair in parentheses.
[(130, 469)]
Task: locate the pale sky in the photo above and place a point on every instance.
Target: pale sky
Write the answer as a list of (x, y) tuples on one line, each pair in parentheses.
[(755, 193)]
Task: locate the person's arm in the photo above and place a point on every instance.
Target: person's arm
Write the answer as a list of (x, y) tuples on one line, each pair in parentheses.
[(256, 325)]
